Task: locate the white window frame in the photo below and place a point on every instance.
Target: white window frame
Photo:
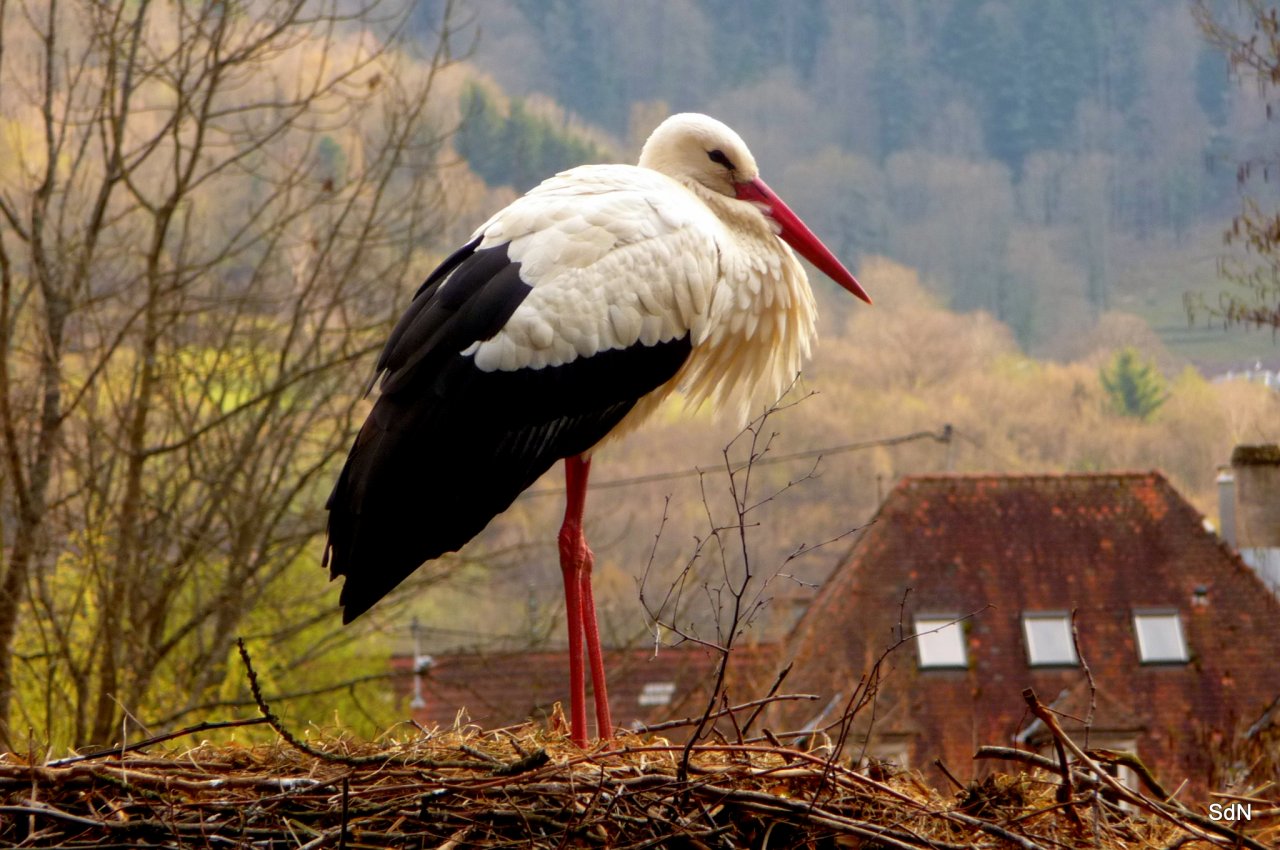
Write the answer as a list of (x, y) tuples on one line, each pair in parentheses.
[(656, 693), (938, 638), (1036, 655), (1166, 614)]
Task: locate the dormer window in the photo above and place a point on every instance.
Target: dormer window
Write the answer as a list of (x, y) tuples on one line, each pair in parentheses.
[(657, 693), (1160, 639), (1048, 636), (940, 641)]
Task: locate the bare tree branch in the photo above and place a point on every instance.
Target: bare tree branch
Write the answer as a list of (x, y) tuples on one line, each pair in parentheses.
[(216, 220)]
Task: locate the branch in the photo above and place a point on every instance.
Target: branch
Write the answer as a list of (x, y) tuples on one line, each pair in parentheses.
[(1196, 824), (755, 703), (119, 751)]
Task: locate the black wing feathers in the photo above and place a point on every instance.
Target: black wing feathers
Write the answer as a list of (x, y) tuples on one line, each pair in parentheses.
[(449, 446), (483, 290)]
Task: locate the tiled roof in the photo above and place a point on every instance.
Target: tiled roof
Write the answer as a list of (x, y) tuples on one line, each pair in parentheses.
[(502, 689), (1030, 540), (996, 546)]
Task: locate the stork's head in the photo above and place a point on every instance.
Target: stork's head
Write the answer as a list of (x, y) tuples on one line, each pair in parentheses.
[(700, 149), (695, 148)]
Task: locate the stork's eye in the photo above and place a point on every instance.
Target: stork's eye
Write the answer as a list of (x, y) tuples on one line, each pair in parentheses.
[(717, 156)]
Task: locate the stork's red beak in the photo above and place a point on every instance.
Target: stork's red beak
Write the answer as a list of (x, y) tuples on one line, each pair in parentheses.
[(796, 234)]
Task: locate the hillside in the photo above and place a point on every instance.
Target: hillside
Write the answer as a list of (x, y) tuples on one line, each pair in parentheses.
[(1043, 162)]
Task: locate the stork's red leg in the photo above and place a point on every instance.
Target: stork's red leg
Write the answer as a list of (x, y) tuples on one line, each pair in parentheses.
[(576, 562), (591, 631), (573, 617)]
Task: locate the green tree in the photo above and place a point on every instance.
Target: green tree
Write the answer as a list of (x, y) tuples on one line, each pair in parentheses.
[(478, 139), (519, 148), (1134, 386)]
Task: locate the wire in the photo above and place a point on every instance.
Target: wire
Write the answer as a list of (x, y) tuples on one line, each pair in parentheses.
[(943, 436)]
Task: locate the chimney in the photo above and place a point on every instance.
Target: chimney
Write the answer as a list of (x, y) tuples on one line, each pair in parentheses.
[(1227, 505), (1256, 510), (1257, 499)]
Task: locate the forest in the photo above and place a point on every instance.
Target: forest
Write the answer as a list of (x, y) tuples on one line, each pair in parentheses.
[(211, 216), (1044, 162)]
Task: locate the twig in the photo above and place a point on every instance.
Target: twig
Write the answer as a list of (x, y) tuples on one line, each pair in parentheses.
[(941, 765), (1011, 754), (346, 811), (1135, 764), (1088, 677), (1065, 792), (993, 829), (689, 721), (158, 739), (284, 733), (1196, 824), (532, 761), (303, 746), (768, 697)]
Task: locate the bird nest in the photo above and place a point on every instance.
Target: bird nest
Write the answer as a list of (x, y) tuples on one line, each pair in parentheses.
[(530, 786)]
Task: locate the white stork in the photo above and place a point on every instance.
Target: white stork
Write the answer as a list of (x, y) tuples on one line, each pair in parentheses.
[(566, 320)]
